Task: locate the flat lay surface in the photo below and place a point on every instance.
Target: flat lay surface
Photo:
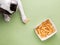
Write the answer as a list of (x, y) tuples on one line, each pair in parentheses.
[(17, 33)]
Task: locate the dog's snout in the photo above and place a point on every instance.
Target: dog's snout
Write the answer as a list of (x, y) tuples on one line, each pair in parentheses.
[(13, 7)]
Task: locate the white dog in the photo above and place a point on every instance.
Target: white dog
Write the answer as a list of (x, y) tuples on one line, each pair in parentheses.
[(7, 7)]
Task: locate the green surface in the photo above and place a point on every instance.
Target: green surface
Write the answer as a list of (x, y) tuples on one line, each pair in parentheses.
[(17, 33)]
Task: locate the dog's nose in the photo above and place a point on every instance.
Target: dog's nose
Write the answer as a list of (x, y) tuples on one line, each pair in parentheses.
[(13, 7)]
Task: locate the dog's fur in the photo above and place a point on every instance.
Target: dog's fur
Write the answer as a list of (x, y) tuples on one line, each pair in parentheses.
[(7, 7)]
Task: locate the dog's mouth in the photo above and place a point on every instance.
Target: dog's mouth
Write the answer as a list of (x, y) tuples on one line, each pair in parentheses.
[(4, 11)]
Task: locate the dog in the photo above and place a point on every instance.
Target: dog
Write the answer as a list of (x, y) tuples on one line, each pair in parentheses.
[(8, 7)]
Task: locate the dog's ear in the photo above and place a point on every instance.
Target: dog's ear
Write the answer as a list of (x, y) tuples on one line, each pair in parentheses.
[(13, 7)]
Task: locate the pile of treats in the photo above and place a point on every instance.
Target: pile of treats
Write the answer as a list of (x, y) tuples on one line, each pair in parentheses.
[(45, 30)]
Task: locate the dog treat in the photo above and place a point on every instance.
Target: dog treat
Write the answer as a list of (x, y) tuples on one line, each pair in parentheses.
[(45, 29)]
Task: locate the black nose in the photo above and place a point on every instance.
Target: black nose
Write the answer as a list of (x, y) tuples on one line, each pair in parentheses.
[(13, 7)]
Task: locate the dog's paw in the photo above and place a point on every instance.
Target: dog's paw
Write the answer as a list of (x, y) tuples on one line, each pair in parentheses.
[(6, 18), (25, 21)]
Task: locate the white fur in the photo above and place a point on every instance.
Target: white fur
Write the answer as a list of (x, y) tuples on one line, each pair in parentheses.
[(24, 18), (6, 18), (5, 4)]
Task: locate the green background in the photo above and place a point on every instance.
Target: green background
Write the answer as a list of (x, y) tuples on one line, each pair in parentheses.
[(17, 33)]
